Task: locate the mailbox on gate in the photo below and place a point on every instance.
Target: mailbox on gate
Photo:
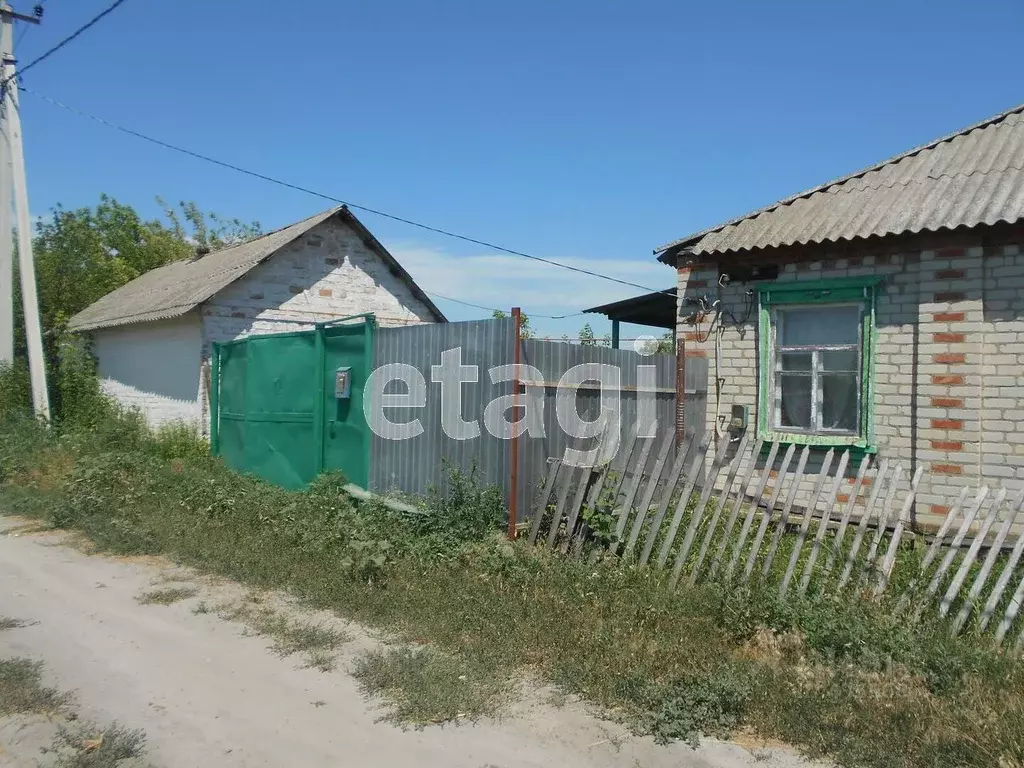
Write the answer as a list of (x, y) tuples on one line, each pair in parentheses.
[(343, 382)]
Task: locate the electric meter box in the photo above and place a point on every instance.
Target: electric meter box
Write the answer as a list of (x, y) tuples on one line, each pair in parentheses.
[(343, 383)]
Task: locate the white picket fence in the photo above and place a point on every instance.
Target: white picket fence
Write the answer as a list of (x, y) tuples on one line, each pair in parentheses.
[(734, 513)]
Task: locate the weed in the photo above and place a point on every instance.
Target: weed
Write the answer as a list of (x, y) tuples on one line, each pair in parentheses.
[(21, 689), (85, 748), (201, 607), (6, 622), (427, 686), (289, 636), (167, 595)]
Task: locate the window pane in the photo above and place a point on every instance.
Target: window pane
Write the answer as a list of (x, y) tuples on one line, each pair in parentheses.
[(795, 401), (805, 326), (795, 361), (839, 401), (840, 360)]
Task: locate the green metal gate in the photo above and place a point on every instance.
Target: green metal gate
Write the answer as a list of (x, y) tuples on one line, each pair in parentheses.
[(274, 408)]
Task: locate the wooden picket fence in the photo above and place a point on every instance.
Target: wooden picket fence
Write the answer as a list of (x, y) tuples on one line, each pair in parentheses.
[(742, 511)]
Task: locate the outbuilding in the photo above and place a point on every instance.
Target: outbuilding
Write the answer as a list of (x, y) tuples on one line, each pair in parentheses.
[(152, 337)]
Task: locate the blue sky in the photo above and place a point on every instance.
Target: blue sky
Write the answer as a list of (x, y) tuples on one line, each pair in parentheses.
[(587, 132)]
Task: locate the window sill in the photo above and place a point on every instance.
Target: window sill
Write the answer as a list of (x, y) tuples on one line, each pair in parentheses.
[(818, 443)]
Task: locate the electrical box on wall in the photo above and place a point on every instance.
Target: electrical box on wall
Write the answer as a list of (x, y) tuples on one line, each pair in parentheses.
[(740, 414), (343, 383)]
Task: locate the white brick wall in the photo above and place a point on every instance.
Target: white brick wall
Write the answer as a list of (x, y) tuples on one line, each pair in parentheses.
[(949, 368), (154, 367), (327, 273)]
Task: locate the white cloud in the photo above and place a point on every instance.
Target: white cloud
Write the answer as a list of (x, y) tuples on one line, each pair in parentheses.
[(503, 280)]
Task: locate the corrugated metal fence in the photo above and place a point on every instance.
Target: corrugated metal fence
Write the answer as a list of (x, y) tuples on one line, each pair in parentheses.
[(413, 465)]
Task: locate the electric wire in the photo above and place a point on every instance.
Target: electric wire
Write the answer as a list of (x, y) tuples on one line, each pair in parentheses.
[(331, 198)]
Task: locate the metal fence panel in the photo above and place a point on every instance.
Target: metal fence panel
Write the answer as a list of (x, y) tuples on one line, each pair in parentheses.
[(413, 465)]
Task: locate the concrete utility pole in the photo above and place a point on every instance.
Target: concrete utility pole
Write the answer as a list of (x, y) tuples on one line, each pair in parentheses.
[(11, 132)]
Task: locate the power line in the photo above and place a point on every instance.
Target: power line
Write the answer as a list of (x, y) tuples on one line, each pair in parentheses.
[(44, 56), (308, 191), (495, 309)]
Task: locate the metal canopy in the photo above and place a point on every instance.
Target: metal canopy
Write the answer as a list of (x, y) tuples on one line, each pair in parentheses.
[(656, 309)]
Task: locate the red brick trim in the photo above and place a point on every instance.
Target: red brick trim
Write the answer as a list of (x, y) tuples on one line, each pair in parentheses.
[(950, 274), (948, 338), (696, 353), (842, 498), (947, 445), (947, 424), (326, 292), (948, 317), (949, 358), (939, 509), (950, 296), (950, 253), (696, 283), (948, 379), (947, 402), (947, 469)]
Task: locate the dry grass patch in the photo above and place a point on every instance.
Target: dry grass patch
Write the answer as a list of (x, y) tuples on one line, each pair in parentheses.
[(167, 595)]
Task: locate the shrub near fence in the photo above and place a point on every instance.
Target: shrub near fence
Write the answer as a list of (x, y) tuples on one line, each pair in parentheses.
[(749, 511)]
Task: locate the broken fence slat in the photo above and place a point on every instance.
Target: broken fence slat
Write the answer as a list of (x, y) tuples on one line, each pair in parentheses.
[(858, 537), (586, 474), (954, 547), (748, 520), (767, 515), (986, 567), (723, 501), (826, 518), (972, 553), (1004, 578), (542, 504), (837, 543), (638, 476), (889, 561), (741, 493), (649, 491), (682, 454), (698, 512), (805, 524), (780, 528), (563, 496), (1010, 615), (684, 497), (933, 549), (884, 515)]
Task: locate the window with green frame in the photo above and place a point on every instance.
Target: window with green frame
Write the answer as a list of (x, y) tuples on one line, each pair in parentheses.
[(816, 342)]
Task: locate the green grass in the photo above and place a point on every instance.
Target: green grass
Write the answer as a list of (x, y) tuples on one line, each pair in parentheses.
[(844, 678), (21, 690), (426, 686), (167, 595)]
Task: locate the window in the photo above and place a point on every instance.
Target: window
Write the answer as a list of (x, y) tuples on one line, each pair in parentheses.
[(816, 342)]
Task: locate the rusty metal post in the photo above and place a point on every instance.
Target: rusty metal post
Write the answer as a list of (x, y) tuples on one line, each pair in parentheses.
[(513, 497)]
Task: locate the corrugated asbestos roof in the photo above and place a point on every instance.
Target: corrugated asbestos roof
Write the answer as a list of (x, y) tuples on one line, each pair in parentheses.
[(971, 177), (180, 286)]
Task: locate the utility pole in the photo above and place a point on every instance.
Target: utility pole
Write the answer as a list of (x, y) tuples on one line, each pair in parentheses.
[(6, 243), (11, 131)]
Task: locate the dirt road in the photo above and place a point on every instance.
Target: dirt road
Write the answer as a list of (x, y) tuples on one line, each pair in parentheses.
[(207, 694)]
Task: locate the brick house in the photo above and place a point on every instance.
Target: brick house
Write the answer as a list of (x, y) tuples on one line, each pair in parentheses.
[(151, 337), (883, 312)]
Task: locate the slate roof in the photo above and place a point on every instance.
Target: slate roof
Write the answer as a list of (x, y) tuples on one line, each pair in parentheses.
[(178, 287), (965, 179)]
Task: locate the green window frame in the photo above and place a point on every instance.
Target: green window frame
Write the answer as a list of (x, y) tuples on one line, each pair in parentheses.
[(774, 298)]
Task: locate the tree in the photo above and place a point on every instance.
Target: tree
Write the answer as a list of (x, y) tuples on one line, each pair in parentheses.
[(525, 332), (587, 338), (83, 254)]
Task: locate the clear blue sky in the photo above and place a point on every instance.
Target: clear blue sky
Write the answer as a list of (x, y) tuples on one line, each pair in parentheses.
[(581, 131)]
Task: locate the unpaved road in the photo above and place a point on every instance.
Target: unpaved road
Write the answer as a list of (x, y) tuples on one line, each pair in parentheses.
[(208, 695)]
